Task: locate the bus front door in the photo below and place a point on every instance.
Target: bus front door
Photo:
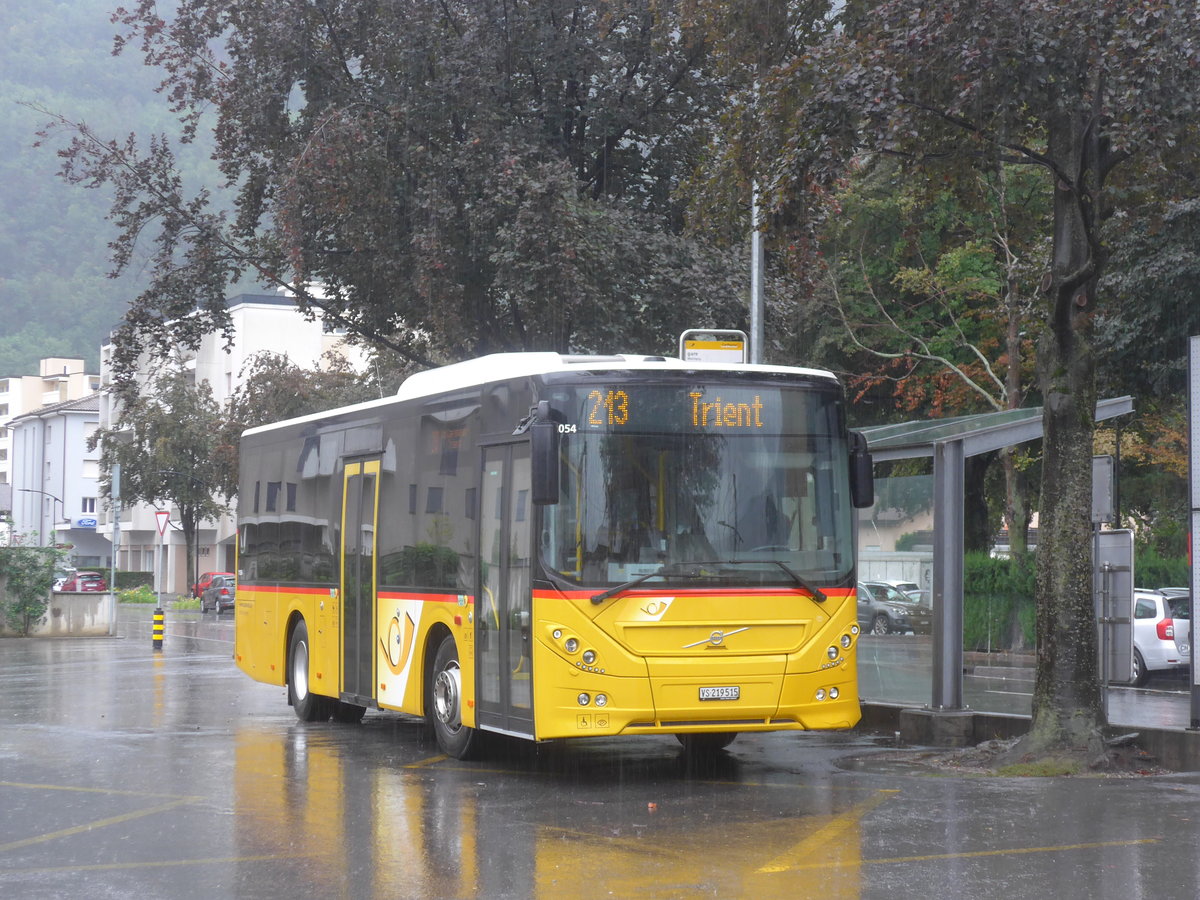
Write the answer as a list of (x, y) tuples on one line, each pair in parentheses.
[(360, 507), (504, 678)]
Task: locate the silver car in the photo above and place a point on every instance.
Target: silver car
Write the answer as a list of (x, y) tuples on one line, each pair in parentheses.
[(1160, 633)]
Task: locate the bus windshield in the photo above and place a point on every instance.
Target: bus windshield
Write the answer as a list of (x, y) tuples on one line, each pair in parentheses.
[(696, 479)]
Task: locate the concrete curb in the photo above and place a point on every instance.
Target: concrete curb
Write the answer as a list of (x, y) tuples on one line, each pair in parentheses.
[(1176, 749)]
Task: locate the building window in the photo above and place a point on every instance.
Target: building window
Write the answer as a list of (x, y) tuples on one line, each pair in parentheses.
[(87, 505)]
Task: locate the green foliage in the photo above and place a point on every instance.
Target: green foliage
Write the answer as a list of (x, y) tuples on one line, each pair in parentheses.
[(26, 576), (54, 254), (909, 540), (1151, 570), (128, 580), (998, 602), (143, 593), (459, 178)]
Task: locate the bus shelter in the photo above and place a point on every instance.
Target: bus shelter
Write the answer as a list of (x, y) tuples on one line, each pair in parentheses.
[(950, 442)]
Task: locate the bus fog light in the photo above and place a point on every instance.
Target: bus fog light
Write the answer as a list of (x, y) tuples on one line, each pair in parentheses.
[(584, 699), (820, 693), (834, 693), (589, 656), (602, 699), (832, 652), (571, 645), (847, 641), (557, 634)]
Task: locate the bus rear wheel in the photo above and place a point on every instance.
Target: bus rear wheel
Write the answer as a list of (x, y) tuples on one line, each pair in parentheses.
[(309, 707), (444, 707)]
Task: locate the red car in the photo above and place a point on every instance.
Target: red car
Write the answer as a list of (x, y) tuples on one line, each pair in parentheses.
[(85, 581), (203, 582)]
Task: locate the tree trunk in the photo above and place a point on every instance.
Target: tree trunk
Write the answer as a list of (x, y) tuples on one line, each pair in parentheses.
[(1067, 707)]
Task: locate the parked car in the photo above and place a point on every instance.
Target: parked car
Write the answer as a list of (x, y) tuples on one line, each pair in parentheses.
[(85, 581), (906, 587), (1160, 633), (220, 594), (61, 577), (204, 581), (884, 610)]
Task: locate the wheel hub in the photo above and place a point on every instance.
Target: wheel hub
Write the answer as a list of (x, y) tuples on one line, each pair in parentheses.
[(447, 691)]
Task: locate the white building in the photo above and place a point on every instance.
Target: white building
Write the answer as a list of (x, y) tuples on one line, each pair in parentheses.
[(58, 379), (55, 479), (261, 323)]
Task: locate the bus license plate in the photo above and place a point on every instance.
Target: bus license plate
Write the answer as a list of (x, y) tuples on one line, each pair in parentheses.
[(720, 693)]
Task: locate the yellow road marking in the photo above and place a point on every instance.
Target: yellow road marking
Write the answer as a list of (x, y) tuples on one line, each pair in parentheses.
[(1013, 851), (816, 845), (158, 864), (431, 761), (968, 854), (93, 790), (101, 823)]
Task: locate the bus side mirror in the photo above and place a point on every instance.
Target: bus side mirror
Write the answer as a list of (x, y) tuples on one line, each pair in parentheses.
[(543, 448), (862, 473)]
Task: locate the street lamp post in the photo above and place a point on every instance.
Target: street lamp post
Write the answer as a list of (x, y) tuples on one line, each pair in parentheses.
[(53, 529)]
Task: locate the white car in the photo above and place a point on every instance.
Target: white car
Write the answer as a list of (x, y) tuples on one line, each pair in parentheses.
[(1160, 633)]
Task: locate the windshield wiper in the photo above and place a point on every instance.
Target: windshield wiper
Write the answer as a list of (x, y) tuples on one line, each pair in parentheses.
[(668, 569), (817, 593), (679, 570)]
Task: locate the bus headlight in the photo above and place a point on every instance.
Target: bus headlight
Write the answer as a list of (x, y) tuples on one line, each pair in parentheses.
[(834, 693), (571, 645), (832, 652), (589, 656), (820, 694), (584, 699), (846, 641), (602, 699)]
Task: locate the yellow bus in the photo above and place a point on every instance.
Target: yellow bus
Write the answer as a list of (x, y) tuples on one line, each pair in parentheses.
[(550, 546)]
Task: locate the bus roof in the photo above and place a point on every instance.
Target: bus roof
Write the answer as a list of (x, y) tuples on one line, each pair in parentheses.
[(505, 366)]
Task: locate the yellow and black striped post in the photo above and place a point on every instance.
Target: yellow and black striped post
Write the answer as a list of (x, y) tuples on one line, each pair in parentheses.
[(158, 628)]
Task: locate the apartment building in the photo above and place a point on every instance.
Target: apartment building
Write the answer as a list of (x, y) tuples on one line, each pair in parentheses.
[(59, 379), (56, 478)]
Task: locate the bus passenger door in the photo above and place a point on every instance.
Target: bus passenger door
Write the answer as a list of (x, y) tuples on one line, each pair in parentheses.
[(503, 643), (360, 507)]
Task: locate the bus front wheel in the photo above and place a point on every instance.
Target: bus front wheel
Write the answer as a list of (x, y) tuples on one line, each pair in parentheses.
[(445, 703), (309, 707)]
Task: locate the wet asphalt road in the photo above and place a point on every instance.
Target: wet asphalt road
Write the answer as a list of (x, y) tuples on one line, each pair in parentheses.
[(127, 773)]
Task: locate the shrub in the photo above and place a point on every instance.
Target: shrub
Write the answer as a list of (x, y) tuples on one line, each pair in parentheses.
[(998, 602), (26, 576), (140, 594)]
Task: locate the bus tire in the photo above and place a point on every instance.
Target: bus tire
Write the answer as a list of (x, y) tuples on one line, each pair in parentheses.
[(444, 709), (309, 707), (706, 743)]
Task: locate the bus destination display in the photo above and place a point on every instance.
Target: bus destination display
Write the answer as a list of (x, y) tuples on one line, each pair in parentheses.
[(657, 409)]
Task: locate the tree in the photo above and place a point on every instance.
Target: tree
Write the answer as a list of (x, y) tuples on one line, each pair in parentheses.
[(459, 177), (273, 388), (1101, 97), (26, 576), (171, 445), (934, 282)]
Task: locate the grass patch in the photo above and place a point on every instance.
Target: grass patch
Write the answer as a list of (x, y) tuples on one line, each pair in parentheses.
[(1048, 767)]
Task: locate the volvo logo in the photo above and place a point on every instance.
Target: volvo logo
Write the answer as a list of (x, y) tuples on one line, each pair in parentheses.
[(716, 639)]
